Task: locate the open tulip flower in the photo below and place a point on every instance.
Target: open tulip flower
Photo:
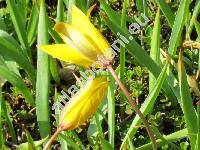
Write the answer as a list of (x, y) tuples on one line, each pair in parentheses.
[(85, 46), (83, 42)]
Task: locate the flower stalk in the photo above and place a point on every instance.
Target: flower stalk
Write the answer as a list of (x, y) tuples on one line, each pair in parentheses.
[(48, 144), (134, 105)]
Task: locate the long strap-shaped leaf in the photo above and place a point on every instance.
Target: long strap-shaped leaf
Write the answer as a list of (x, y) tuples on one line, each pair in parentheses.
[(194, 17), (177, 29), (1, 128), (155, 47), (170, 138), (188, 109), (10, 48), (18, 82), (19, 26), (32, 24), (42, 83), (9, 121), (166, 11)]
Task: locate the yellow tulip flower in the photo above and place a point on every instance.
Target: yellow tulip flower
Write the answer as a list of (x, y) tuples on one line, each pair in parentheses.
[(83, 42), (83, 104)]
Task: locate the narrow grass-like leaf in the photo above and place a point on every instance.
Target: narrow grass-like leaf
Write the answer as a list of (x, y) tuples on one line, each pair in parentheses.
[(197, 147), (166, 11), (82, 4), (111, 111), (106, 145), (132, 147), (142, 7), (55, 36), (98, 124), (69, 141), (21, 4), (32, 24), (194, 17), (114, 16), (170, 138), (197, 27), (54, 69), (60, 11), (31, 144), (160, 136), (188, 109), (42, 83), (25, 146), (53, 63), (147, 105), (2, 23), (177, 29), (155, 47), (8, 121), (1, 128), (19, 26), (140, 55), (123, 58), (10, 48), (16, 81)]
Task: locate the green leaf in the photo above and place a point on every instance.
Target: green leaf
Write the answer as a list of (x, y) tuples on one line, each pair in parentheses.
[(170, 138), (114, 16), (60, 11), (194, 17), (19, 26), (177, 29), (82, 5), (25, 146), (31, 144), (123, 58), (1, 128), (111, 111), (147, 105), (21, 4), (8, 120), (198, 127), (188, 109), (106, 145), (69, 141), (9, 48), (142, 7), (131, 144), (32, 24), (2, 23), (164, 140), (16, 81), (169, 14), (155, 47), (42, 83), (197, 27)]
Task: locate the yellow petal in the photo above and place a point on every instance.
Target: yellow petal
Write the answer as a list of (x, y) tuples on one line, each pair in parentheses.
[(66, 53), (83, 104), (82, 23), (76, 39)]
